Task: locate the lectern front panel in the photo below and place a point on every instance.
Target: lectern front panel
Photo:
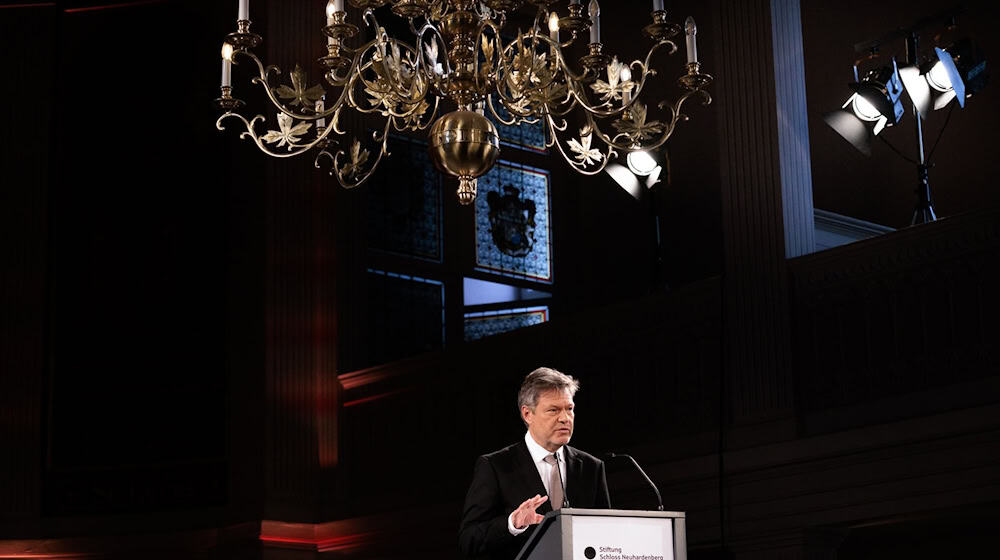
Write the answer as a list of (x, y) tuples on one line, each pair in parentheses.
[(597, 537)]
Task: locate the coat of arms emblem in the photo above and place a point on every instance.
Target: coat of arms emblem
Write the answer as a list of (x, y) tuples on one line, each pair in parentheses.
[(512, 221)]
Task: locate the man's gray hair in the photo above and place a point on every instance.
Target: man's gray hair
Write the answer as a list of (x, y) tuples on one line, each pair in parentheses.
[(541, 380)]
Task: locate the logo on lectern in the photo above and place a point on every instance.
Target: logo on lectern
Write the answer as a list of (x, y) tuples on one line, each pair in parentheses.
[(590, 553)]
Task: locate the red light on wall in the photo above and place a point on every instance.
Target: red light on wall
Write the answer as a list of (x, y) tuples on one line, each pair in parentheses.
[(342, 543), (46, 556), (373, 398)]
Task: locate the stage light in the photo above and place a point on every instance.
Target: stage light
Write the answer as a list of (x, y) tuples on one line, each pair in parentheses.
[(956, 72), (641, 168), (970, 64), (641, 163), (625, 179), (933, 85), (857, 121), (940, 76), (882, 89), (874, 105)]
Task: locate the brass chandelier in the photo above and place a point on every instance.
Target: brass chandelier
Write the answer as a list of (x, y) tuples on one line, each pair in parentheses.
[(459, 58)]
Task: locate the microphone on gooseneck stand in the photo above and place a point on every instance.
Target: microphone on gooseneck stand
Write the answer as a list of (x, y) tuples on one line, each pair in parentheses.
[(656, 490), (565, 502)]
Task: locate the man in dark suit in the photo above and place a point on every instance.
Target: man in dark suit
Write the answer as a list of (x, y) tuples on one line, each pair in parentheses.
[(514, 487)]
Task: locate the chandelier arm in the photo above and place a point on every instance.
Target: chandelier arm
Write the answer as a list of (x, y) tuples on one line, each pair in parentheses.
[(263, 79), (413, 27), (551, 138), (335, 123), (294, 148), (358, 75), (568, 101), (381, 40), (350, 79), (579, 166), (380, 105), (387, 110), (395, 68), (476, 71), (535, 58), (580, 94), (515, 50), (676, 109), (493, 111), (510, 104), (369, 18), (433, 117), (562, 64), (429, 74), (499, 61), (626, 142), (340, 172), (596, 131), (346, 80), (415, 124), (367, 64), (511, 107), (645, 69)]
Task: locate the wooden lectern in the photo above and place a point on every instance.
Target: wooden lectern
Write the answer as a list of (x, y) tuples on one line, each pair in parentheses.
[(607, 534)]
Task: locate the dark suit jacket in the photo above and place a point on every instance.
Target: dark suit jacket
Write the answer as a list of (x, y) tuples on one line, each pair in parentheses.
[(503, 480)]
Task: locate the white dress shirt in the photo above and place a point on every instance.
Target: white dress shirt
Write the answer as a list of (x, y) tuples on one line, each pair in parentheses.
[(538, 455)]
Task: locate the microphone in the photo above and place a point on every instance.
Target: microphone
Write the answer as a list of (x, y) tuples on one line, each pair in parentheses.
[(656, 490), (565, 502)]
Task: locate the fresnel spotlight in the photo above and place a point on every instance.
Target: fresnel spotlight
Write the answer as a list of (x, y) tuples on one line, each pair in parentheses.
[(954, 72), (874, 105), (457, 57)]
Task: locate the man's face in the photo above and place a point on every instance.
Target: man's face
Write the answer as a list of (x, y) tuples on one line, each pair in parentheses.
[(551, 422)]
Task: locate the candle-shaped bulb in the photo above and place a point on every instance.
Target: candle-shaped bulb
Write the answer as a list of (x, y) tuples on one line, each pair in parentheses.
[(553, 22), (595, 21), (227, 65), (331, 8), (691, 30)]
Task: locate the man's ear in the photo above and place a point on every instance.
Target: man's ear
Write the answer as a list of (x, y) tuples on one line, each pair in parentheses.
[(524, 413)]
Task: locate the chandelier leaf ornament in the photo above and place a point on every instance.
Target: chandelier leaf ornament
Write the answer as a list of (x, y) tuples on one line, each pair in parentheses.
[(457, 58)]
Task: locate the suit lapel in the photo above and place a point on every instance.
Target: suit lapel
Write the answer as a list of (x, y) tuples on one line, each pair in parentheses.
[(530, 480), (574, 470)]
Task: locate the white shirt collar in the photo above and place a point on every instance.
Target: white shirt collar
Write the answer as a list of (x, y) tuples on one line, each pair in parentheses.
[(539, 453)]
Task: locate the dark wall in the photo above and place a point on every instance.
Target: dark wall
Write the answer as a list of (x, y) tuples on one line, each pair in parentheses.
[(145, 252)]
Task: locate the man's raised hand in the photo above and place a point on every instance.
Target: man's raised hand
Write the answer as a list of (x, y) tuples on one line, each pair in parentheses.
[(525, 513)]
